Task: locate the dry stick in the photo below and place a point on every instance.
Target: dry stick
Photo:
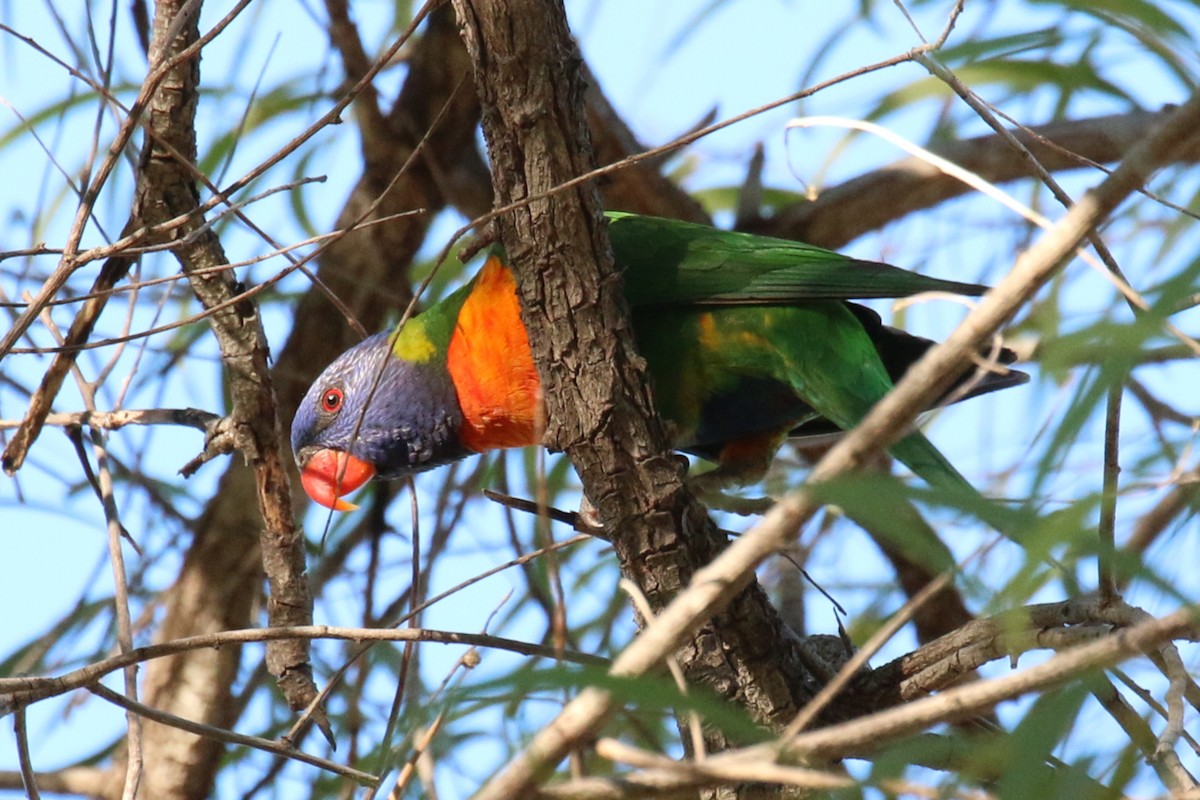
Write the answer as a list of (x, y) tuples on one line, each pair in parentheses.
[(133, 758), (103, 484), (714, 585), (466, 662), (229, 737), (28, 779), (571, 518), (20, 692), (1106, 577), (1167, 765), (709, 772), (386, 752), (1170, 663), (1191, 688), (1146, 697), (694, 722), (420, 747), (662, 777), (114, 420)]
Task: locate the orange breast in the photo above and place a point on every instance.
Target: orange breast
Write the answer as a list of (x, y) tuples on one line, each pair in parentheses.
[(489, 360)]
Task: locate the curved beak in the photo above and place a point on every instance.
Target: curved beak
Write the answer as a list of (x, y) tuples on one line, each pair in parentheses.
[(330, 474)]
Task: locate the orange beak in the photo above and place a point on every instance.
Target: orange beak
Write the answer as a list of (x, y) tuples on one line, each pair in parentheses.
[(330, 474)]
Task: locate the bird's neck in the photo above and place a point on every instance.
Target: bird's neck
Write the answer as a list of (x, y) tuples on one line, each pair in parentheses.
[(491, 365)]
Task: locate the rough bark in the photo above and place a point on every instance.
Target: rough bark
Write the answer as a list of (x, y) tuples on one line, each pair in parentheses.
[(598, 405), (198, 687)]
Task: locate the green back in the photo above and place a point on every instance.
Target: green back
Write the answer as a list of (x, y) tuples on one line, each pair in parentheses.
[(668, 262)]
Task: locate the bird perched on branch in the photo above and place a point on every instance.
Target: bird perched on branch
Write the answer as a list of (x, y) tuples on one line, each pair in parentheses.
[(747, 339)]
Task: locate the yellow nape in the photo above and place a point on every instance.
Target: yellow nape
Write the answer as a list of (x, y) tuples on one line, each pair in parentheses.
[(412, 344)]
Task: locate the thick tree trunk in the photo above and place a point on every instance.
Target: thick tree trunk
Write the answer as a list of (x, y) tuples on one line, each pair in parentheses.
[(598, 405)]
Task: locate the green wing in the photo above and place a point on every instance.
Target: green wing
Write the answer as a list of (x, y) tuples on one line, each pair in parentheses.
[(668, 262)]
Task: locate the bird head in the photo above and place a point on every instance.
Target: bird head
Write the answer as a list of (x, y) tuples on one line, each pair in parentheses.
[(372, 414)]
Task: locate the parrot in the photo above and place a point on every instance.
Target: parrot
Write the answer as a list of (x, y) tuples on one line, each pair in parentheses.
[(748, 340)]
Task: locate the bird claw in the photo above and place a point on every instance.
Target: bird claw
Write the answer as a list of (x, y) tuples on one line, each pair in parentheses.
[(742, 506), (709, 488), (588, 516)]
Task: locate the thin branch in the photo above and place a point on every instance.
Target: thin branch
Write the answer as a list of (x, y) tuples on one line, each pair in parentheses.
[(229, 737), (1106, 577), (115, 420), (20, 692), (871, 732), (28, 779)]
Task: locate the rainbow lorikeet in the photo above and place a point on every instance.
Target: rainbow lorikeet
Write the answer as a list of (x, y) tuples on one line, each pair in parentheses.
[(747, 339)]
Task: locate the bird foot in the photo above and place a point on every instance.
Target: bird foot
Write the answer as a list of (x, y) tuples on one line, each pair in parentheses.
[(711, 489), (742, 506), (588, 516)]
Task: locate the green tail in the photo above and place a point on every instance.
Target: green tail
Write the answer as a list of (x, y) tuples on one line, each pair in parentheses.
[(918, 454)]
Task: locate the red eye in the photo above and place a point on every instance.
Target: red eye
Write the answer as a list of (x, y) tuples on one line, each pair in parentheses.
[(331, 401)]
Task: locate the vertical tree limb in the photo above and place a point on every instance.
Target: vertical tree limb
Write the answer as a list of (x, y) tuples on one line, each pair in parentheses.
[(598, 404), (220, 580)]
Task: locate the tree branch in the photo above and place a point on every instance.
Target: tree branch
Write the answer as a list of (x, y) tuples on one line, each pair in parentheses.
[(844, 212)]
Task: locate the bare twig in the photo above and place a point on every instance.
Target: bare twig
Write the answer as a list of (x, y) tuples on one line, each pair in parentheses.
[(1106, 578), (27, 777), (115, 420), (20, 692), (222, 735), (693, 719)]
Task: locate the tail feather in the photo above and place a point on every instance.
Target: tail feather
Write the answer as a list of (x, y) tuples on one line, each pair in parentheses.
[(919, 454)]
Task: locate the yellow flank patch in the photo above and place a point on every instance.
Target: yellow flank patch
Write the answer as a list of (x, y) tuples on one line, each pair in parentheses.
[(413, 344), (752, 339), (710, 338), (718, 334)]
